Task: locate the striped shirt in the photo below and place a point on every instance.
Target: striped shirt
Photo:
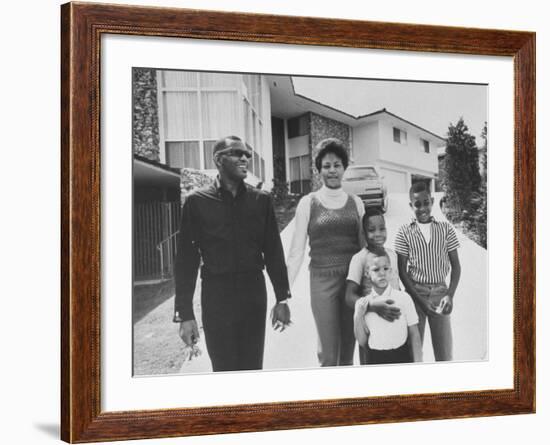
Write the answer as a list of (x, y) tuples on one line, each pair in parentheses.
[(428, 261)]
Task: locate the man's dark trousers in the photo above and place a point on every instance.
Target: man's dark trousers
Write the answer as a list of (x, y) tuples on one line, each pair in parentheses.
[(234, 316)]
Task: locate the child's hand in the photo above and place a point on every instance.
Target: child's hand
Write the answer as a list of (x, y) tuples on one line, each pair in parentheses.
[(428, 308), (445, 305)]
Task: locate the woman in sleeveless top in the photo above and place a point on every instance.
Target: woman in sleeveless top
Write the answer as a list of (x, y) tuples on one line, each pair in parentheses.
[(331, 219)]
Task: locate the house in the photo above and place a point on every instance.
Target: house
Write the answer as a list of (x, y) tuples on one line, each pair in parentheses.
[(178, 116), (403, 151)]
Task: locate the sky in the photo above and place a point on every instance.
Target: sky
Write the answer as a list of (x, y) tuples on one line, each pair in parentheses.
[(430, 105)]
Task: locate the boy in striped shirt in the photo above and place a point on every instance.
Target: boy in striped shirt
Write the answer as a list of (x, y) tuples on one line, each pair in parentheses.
[(426, 251)]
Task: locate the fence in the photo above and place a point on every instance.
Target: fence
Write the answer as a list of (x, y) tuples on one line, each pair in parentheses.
[(155, 228)]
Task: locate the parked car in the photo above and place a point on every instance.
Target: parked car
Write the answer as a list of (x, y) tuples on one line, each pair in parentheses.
[(366, 182)]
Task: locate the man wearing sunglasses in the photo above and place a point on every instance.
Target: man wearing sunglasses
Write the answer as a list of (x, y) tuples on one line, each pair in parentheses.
[(229, 230)]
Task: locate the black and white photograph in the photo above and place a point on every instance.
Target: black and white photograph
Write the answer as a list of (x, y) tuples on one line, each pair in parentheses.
[(294, 222)]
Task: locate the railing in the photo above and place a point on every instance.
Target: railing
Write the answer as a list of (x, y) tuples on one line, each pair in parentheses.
[(167, 251), (154, 248)]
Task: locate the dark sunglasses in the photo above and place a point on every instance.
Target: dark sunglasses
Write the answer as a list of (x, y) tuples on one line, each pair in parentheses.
[(236, 152)]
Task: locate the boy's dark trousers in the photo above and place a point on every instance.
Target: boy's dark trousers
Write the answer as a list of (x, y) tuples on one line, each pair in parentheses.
[(233, 315), (382, 357), (363, 355)]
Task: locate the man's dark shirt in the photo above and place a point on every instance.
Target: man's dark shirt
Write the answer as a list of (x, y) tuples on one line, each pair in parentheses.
[(232, 235)]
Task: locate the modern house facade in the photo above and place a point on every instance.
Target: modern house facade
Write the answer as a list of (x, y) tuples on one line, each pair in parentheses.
[(178, 116), (404, 152)]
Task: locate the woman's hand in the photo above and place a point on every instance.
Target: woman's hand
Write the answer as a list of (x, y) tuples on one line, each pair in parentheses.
[(386, 309)]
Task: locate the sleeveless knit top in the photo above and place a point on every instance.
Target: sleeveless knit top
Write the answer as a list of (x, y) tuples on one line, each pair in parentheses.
[(333, 234)]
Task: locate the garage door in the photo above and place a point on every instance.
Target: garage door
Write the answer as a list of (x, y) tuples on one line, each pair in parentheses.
[(395, 181)]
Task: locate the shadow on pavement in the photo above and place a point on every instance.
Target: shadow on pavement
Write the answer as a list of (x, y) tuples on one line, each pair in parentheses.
[(147, 297)]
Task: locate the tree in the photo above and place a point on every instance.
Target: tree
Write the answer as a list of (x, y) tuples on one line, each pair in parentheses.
[(481, 211), (483, 155), (462, 177)]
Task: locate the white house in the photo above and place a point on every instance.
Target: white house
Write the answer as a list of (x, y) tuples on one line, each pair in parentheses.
[(281, 128), (403, 151)]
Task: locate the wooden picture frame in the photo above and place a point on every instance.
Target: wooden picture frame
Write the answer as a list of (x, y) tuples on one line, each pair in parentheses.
[(82, 26)]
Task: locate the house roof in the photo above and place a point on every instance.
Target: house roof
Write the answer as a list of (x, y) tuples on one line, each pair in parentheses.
[(148, 172), (286, 103)]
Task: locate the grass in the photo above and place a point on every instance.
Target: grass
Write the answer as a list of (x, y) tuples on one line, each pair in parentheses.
[(157, 346)]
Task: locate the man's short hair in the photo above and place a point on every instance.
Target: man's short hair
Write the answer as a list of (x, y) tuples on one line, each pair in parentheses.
[(419, 187), (221, 144), (370, 212), (334, 146)]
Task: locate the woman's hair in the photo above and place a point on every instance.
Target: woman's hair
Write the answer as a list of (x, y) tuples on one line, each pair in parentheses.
[(370, 212), (334, 146)]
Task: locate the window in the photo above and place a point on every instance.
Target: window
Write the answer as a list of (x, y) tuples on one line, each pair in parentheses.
[(181, 115), (298, 126), (253, 89), (256, 164), (399, 136), (183, 154), (426, 145), (179, 79), (218, 113), (197, 108), (300, 174), (209, 155), (252, 122)]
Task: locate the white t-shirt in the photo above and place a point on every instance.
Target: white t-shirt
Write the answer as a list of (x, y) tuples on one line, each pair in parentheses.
[(426, 230), (358, 272), (385, 334)]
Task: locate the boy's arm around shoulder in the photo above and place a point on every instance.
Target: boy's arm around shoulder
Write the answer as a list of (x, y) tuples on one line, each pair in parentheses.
[(353, 281)]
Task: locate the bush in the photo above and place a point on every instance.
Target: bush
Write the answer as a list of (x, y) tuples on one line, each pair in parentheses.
[(192, 179), (464, 186), (279, 192)]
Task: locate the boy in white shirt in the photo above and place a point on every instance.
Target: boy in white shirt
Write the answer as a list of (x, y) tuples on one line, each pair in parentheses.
[(395, 341)]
